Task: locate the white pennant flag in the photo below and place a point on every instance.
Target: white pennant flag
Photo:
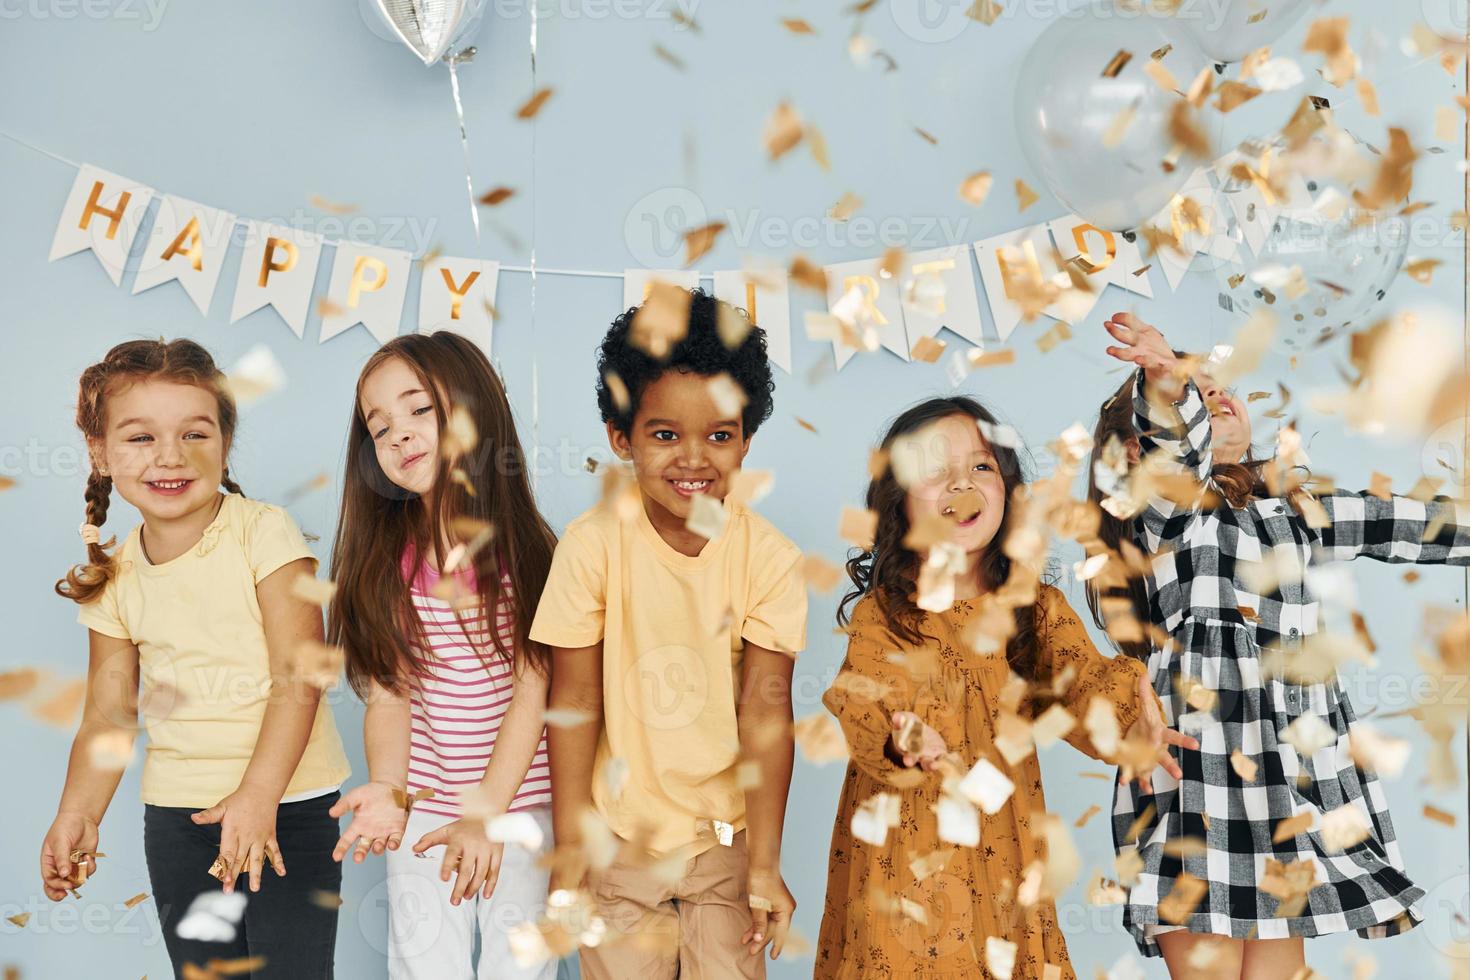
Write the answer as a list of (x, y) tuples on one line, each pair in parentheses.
[(102, 213), (188, 243), (637, 282), (865, 300), (765, 296), (937, 288), (1102, 256), (368, 286), (1012, 256), (278, 267), (459, 295)]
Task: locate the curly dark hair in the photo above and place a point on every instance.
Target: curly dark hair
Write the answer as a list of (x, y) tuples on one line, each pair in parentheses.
[(889, 571), (701, 351)]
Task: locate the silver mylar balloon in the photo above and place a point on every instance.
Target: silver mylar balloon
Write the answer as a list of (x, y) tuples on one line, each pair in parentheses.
[(432, 28), (1228, 30), (1073, 120)]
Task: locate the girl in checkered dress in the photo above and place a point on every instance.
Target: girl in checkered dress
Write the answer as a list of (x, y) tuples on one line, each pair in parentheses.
[(1273, 833)]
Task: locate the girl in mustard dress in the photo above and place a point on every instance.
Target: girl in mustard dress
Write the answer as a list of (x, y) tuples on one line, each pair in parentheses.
[(921, 703)]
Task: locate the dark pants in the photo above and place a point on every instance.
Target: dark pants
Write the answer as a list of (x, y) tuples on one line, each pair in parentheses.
[(291, 921)]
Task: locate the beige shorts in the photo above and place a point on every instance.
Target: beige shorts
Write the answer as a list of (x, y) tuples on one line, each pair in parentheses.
[(687, 928)]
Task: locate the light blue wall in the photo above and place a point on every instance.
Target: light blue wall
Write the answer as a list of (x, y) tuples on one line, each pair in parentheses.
[(256, 107)]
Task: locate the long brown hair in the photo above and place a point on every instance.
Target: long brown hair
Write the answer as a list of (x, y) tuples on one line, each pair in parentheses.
[(371, 614), (179, 361), (889, 572), (1237, 483)]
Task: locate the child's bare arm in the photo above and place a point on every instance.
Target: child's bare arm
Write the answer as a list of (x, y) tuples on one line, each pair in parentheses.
[(576, 687), (764, 720)]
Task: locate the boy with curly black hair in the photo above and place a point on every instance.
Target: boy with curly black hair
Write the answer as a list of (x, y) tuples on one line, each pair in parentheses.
[(675, 628)]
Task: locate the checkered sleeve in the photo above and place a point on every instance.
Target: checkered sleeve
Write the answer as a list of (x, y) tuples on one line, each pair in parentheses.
[(1173, 439), (1397, 530)]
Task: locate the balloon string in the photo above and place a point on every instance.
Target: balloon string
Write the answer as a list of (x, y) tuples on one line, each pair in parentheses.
[(535, 353), (464, 143)]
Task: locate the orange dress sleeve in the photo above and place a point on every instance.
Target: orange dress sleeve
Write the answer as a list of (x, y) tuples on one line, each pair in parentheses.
[(1063, 646)]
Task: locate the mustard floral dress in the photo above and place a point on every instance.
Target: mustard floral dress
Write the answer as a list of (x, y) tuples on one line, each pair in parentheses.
[(886, 918)]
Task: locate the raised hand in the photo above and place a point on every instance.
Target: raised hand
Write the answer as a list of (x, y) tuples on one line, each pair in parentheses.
[(1142, 344)]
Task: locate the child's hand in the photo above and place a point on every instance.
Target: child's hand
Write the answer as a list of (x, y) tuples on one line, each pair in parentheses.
[(1151, 730), (247, 836), (377, 824), (470, 852), (924, 745), (70, 832), (771, 908), (1146, 347)]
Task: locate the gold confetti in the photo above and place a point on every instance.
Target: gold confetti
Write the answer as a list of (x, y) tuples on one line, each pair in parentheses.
[(328, 308), (1440, 816), (1182, 899), (19, 921), (1161, 76), (662, 320), (927, 136), (845, 207), (817, 144), (1025, 196), (984, 11), (496, 195), (783, 131), (927, 349), (797, 26), (858, 526), (62, 707), (317, 201), (18, 683), (1118, 126), (1244, 767), (975, 188), (136, 900), (1087, 815), (670, 57), (698, 241), (1232, 95), (1422, 270), (1118, 62), (1292, 826), (806, 425), (808, 274), (819, 573), (534, 104)]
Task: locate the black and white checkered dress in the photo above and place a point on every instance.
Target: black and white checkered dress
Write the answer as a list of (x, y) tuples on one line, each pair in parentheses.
[(1199, 587)]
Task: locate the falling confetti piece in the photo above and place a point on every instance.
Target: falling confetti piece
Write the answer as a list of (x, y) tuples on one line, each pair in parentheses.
[(534, 104), (1440, 816), (1117, 64), (927, 137), (498, 195), (783, 131), (806, 425), (927, 349), (1025, 196), (322, 203), (670, 57), (1087, 815), (797, 26), (858, 526), (976, 187), (698, 241), (984, 11)]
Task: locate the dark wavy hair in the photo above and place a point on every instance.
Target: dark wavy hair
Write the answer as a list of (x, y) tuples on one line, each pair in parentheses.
[(889, 572), (1237, 483), (701, 350)]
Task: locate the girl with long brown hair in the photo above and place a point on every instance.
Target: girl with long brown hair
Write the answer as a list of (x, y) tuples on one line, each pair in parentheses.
[(955, 649), (200, 608), (440, 559)]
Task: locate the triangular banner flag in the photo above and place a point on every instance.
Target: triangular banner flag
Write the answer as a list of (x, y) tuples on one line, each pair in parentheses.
[(1103, 257), (368, 286), (278, 267), (937, 288), (1008, 259), (459, 295), (864, 299), (188, 243), (765, 296), (102, 213)]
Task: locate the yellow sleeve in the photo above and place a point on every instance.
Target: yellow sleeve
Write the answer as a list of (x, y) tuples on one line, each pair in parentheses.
[(776, 618), (878, 677), (1062, 645), (103, 615), (573, 603), (272, 540)]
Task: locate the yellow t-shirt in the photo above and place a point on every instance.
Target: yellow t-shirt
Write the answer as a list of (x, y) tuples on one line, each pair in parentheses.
[(672, 628), (203, 659)]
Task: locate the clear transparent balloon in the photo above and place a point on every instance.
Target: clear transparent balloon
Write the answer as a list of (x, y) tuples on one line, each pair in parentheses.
[(1100, 140)]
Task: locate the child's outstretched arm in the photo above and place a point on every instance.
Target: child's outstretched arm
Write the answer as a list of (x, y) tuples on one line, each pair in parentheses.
[(379, 812), (764, 720), (576, 688), (247, 817), (1397, 530), (111, 710), (1170, 414), (1063, 647)]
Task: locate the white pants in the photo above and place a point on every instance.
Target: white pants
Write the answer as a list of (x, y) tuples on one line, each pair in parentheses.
[(429, 939)]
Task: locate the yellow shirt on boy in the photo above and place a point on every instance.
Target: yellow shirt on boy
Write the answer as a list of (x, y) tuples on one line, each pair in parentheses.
[(203, 659), (673, 629)]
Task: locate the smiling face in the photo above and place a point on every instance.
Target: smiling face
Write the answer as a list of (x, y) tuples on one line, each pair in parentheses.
[(400, 418), (960, 482), (681, 445), (162, 447), (1230, 421)]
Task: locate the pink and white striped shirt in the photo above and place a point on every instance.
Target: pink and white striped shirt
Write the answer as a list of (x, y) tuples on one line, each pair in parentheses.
[(458, 703)]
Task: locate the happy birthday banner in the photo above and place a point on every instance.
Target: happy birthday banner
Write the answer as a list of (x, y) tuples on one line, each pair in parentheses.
[(900, 310)]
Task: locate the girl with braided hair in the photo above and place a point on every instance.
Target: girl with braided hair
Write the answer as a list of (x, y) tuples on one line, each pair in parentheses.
[(200, 608)]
